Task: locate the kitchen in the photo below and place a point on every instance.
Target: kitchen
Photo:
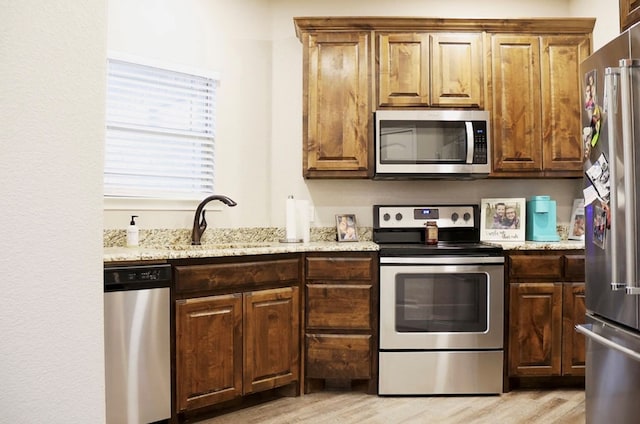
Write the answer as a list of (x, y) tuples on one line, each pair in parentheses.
[(53, 350)]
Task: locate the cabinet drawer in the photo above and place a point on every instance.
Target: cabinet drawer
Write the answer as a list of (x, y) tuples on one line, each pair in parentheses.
[(235, 275), (339, 268), (338, 356), (333, 306), (532, 267), (574, 267)]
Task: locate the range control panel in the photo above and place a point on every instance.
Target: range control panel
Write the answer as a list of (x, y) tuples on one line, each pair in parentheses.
[(446, 216)]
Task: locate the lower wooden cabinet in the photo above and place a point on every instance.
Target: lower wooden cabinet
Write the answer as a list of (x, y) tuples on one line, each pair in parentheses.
[(341, 318), (546, 301), (573, 344), (271, 338), (233, 344), (543, 341), (209, 350)]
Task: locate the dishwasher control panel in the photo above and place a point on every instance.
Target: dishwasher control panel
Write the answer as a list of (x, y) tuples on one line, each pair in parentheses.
[(136, 277)]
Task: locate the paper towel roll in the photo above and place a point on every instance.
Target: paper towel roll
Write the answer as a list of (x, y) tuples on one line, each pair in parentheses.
[(290, 220), (302, 224)]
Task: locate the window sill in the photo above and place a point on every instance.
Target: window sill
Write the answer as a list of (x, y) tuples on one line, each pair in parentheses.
[(137, 204)]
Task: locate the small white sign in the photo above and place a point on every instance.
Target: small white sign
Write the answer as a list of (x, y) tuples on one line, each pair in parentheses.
[(577, 223)]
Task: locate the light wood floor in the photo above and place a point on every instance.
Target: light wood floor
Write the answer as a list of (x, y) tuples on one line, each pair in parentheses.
[(335, 407)]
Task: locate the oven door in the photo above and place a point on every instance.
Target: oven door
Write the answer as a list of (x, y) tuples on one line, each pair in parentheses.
[(441, 303)]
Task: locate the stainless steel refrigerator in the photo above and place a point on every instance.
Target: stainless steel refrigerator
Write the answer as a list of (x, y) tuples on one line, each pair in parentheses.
[(611, 137)]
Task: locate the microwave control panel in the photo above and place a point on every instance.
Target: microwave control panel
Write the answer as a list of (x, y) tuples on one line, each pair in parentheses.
[(480, 149)]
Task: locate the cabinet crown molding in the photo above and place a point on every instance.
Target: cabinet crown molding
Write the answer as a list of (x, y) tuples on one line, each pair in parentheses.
[(400, 23)]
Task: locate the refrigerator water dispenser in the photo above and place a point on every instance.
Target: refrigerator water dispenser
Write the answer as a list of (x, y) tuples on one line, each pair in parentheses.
[(541, 219)]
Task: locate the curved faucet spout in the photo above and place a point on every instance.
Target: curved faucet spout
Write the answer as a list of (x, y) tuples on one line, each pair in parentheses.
[(200, 224)]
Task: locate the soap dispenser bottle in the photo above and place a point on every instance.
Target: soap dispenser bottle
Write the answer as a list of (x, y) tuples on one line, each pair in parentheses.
[(132, 232)]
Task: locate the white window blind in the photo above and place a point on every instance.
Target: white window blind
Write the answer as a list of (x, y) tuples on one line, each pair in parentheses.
[(160, 132)]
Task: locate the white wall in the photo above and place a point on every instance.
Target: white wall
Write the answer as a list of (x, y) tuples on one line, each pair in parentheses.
[(233, 39), (52, 130), (253, 44), (607, 22)]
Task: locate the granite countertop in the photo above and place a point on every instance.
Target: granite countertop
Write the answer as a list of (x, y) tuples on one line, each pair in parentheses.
[(117, 254), (541, 245), (161, 244)]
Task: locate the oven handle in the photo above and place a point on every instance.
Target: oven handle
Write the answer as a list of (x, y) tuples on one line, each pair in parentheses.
[(442, 260)]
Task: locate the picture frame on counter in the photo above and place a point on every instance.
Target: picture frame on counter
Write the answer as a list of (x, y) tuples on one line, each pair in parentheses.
[(503, 219), (346, 228), (577, 222)]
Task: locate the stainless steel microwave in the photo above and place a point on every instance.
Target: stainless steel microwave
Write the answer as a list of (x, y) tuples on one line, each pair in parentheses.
[(448, 144)]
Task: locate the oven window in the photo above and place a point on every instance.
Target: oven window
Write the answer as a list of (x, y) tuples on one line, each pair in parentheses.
[(441, 302)]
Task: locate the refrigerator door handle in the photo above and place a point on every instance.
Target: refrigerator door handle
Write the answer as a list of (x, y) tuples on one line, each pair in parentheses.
[(628, 67), (586, 329), (612, 76)]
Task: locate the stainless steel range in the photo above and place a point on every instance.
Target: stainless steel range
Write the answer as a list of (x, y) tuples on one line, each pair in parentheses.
[(441, 306)]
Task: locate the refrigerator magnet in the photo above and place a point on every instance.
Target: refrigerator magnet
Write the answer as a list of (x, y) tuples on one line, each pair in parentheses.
[(586, 139), (599, 225), (590, 90), (598, 174), (596, 119)]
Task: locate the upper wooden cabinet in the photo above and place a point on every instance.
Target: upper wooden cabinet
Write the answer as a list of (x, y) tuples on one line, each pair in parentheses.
[(536, 101), (629, 13), (336, 108), (430, 69), (524, 71)]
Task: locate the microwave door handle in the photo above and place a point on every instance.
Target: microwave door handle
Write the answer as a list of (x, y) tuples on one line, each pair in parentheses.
[(626, 74), (469, 127), (611, 78)]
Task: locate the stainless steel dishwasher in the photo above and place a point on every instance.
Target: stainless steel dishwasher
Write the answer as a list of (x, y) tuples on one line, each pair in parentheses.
[(137, 349)]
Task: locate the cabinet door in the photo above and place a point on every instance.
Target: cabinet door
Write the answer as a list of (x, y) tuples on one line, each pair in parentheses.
[(573, 311), (337, 118), (456, 70), (208, 350), (271, 338), (403, 74), (535, 329), (561, 102), (629, 13), (516, 116)]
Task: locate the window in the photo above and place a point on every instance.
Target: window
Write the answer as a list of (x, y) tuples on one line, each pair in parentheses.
[(160, 132)]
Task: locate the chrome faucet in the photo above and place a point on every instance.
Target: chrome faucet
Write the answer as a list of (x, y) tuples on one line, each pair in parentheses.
[(200, 224)]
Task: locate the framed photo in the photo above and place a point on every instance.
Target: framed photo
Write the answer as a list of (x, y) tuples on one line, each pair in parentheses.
[(502, 219), (346, 228), (577, 223)]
